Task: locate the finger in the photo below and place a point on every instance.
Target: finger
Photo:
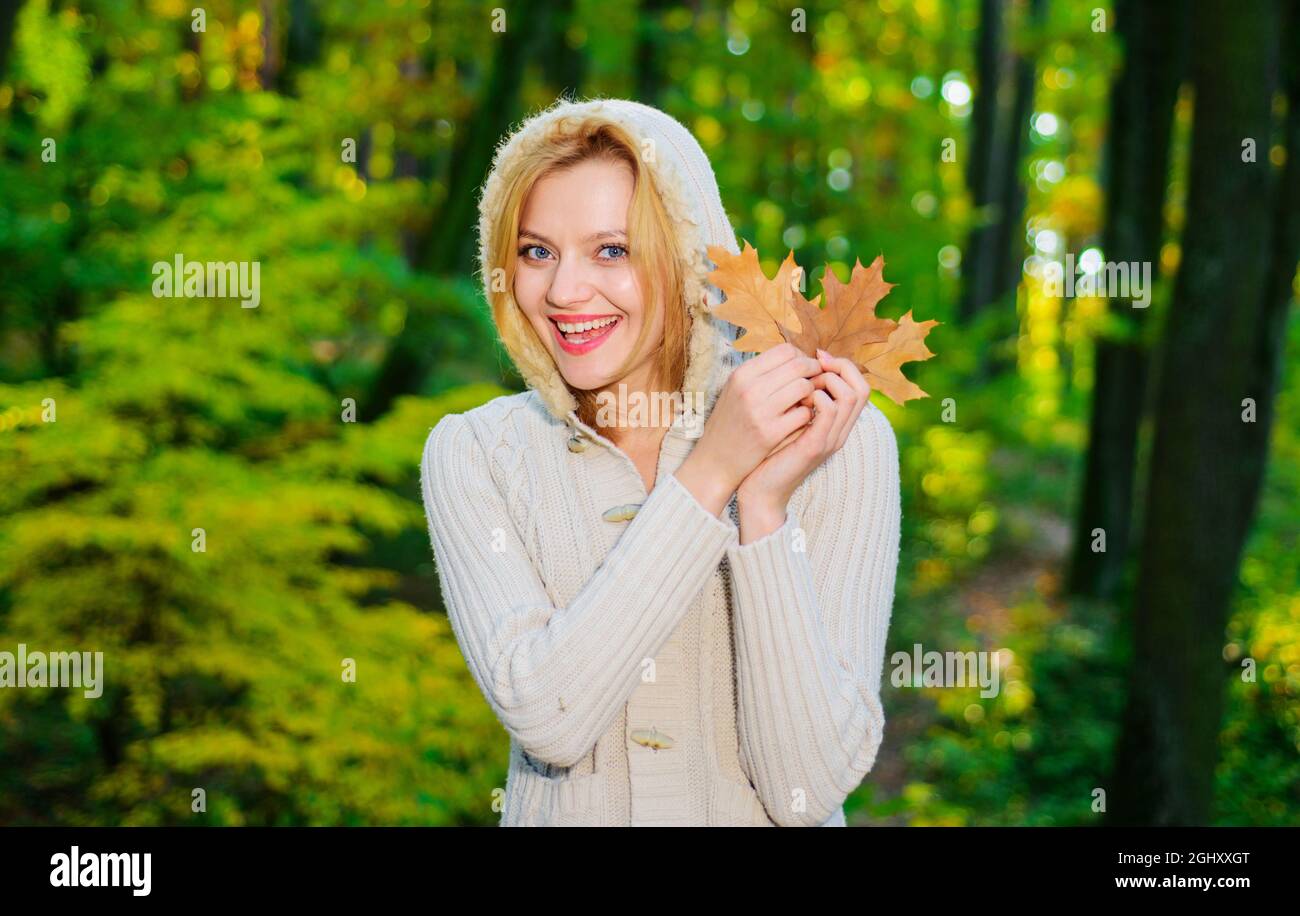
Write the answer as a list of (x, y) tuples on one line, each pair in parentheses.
[(818, 381), (849, 422), (847, 370), (850, 372), (775, 379), (852, 375), (793, 420), (795, 391), (769, 359), (845, 402), (824, 419)]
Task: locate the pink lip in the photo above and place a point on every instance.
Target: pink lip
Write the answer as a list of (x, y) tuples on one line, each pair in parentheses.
[(585, 346)]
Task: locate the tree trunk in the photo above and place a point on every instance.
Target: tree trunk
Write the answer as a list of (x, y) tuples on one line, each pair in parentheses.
[(982, 163), (650, 51), (451, 244), (268, 73), (1154, 36), (1010, 247), (564, 68), (1205, 459), (1265, 366), (301, 42), (1007, 249), (407, 164), (8, 22)]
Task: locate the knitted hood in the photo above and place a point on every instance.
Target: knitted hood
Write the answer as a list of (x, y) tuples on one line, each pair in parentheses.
[(686, 184)]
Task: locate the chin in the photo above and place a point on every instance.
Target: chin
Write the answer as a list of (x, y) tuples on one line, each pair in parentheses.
[(586, 377)]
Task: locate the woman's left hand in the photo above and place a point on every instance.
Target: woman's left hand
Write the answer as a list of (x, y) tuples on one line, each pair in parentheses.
[(841, 394)]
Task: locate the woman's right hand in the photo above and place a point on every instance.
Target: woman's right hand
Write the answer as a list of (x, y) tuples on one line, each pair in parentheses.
[(765, 400)]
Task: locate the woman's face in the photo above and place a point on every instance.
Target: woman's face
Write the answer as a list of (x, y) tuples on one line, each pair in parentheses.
[(574, 271)]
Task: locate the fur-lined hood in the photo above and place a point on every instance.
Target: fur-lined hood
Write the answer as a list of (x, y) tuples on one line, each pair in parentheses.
[(689, 190)]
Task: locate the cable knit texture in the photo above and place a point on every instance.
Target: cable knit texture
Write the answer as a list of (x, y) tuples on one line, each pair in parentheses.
[(648, 668)]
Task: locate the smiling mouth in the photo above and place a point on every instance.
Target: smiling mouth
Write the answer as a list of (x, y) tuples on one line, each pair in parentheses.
[(580, 336)]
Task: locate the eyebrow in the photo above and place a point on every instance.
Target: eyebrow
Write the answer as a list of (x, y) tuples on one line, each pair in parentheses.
[(594, 237)]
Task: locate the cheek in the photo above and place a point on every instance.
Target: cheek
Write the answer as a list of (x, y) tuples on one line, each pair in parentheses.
[(528, 290), (530, 294), (621, 289)]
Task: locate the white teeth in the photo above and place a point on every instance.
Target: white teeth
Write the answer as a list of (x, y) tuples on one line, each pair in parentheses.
[(571, 328)]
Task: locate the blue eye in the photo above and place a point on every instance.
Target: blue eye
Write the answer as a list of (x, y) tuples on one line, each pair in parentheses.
[(526, 251)]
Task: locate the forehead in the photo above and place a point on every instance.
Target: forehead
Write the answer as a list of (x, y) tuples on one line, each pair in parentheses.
[(592, 195)]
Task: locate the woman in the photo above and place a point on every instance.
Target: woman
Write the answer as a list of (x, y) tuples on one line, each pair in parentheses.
[(678, 620)]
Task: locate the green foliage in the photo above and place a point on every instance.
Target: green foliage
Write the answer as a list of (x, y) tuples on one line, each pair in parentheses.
[(225, 668)]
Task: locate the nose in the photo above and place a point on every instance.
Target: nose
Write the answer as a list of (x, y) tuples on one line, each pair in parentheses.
[(569, 284)]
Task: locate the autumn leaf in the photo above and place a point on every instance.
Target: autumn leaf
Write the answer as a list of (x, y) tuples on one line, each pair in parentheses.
[(773, 311), (848, 320), (759, 305), (880, 360)]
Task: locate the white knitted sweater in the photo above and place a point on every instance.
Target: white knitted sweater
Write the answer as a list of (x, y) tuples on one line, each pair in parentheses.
[(651, 670)]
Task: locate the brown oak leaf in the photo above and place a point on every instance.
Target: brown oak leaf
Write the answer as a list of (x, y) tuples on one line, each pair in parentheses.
[(759, 305), (848, 319), (880, 360), (772, 311)]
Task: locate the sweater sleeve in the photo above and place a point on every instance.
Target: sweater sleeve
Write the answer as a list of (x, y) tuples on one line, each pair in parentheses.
[(556, 677), (812, 610)]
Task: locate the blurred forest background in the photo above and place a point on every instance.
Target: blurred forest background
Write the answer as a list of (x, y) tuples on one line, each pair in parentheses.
[(973, 143)]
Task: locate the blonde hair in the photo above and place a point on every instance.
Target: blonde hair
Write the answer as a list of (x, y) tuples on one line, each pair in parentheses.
[(652, 249)]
